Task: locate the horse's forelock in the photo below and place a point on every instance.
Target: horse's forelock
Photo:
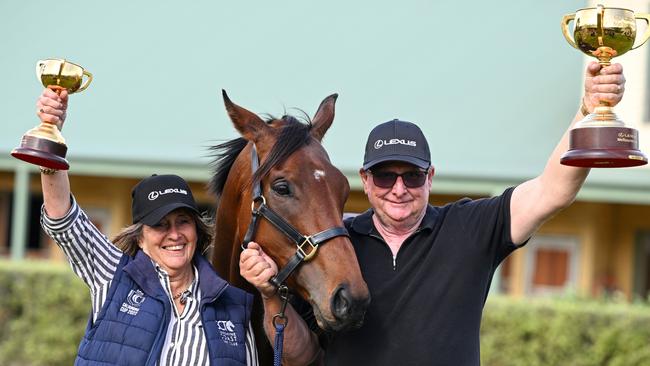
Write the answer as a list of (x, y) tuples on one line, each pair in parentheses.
[(293, 135)]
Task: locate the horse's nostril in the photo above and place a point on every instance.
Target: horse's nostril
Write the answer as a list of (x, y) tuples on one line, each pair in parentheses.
[(348, 309), (341, 303)]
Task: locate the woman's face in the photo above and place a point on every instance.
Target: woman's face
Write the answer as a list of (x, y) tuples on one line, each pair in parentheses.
[(171, 242)]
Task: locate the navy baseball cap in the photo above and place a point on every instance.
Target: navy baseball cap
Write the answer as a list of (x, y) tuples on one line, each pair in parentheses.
[(397, 141), (156, 196)]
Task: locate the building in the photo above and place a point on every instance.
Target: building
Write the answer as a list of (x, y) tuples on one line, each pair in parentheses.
[(493, 87)]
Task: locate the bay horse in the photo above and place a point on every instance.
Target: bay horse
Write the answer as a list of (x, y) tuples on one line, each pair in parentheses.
[(299, 184)]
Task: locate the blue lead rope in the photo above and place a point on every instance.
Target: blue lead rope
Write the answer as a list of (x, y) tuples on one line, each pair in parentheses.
[(277, 350), (280, 321)]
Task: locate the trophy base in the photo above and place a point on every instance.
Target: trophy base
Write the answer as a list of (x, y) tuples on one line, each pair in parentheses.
[(604, 158), (43, 152), (603, 147)]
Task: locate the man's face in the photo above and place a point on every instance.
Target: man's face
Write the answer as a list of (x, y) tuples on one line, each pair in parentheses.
[(397, 206)]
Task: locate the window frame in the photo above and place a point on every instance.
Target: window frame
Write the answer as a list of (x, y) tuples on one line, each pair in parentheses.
[(568, 243)]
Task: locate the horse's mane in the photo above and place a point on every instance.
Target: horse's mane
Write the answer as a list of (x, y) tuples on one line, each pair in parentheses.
[(293, 135)]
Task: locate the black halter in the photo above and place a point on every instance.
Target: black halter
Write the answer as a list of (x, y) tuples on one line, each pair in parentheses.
[(307, 245)]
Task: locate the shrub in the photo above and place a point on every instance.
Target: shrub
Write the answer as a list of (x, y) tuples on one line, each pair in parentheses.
[(44, 308), (564, 332)]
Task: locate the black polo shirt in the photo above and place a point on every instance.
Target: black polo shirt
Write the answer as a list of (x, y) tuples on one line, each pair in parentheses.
[(426, 303)]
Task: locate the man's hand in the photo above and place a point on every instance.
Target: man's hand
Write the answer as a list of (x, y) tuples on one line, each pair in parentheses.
[(603, 84), (258, 268)]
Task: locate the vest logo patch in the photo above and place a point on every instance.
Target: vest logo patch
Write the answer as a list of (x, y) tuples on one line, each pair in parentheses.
[(132, 304), (227, 332)]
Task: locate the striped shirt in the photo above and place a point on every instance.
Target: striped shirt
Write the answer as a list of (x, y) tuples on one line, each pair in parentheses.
[(94, 259)]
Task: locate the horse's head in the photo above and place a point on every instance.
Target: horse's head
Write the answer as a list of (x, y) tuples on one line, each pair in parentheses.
[(300, 184)]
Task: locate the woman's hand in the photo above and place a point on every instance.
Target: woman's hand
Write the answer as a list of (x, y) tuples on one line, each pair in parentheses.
[(52, 107), (258, 268)]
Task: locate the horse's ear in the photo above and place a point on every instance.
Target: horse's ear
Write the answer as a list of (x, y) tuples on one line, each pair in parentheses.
[(324, 117), (249, 124)]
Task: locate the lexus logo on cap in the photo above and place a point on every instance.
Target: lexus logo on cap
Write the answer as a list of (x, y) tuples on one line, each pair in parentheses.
[(155, 194), (380, 143)]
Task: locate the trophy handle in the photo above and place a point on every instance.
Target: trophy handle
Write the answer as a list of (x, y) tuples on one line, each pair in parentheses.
[(565, 29), (646, 35), (89, 78)]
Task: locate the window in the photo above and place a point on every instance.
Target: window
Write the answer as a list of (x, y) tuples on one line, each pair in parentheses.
[(5, 223), (505, 275), (642, 267), (551, 265), (35, 246), (36, 239), (101, 218)]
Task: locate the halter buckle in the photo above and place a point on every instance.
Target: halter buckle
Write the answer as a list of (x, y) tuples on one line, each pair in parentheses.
[(257, 200), (312, 252)]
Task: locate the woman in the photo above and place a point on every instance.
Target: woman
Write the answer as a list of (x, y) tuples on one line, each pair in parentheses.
[(155, 299)]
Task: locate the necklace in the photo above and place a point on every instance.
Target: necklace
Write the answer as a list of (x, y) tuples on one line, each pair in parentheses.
[(184, 295)]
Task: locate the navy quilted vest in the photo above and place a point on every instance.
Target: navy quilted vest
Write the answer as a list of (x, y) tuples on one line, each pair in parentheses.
[(131, 326)]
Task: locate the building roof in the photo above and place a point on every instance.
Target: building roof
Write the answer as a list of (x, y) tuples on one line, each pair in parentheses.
[(492, 87)]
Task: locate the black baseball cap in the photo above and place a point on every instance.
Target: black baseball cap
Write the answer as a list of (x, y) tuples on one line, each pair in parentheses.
[(156, 196), (397, 141)]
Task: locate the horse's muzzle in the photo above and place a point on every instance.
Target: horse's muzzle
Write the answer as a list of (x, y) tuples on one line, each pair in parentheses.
[(348, 310)]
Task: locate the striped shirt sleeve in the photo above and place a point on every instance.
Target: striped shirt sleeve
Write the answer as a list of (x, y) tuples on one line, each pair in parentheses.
[(90, 254)]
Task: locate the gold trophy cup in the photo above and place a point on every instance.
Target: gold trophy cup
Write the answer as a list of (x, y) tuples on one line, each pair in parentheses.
[(44, 145), (601, 140)]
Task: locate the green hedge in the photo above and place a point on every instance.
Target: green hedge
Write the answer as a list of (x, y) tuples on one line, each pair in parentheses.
[(564, 332), (43, 313), (44, 309)]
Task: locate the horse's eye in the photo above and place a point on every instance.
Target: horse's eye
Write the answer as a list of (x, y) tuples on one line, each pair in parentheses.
[(281, 188)]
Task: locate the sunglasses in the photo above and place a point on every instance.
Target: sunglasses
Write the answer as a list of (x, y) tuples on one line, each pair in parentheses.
[(411, 179)]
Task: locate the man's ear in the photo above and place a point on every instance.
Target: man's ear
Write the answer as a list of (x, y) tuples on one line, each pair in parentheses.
[(364, 179)]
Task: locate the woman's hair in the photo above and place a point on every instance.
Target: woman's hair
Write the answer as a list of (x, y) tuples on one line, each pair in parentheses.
[(128, 239)]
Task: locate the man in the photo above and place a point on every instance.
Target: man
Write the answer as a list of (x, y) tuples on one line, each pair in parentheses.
[(428, 268)]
